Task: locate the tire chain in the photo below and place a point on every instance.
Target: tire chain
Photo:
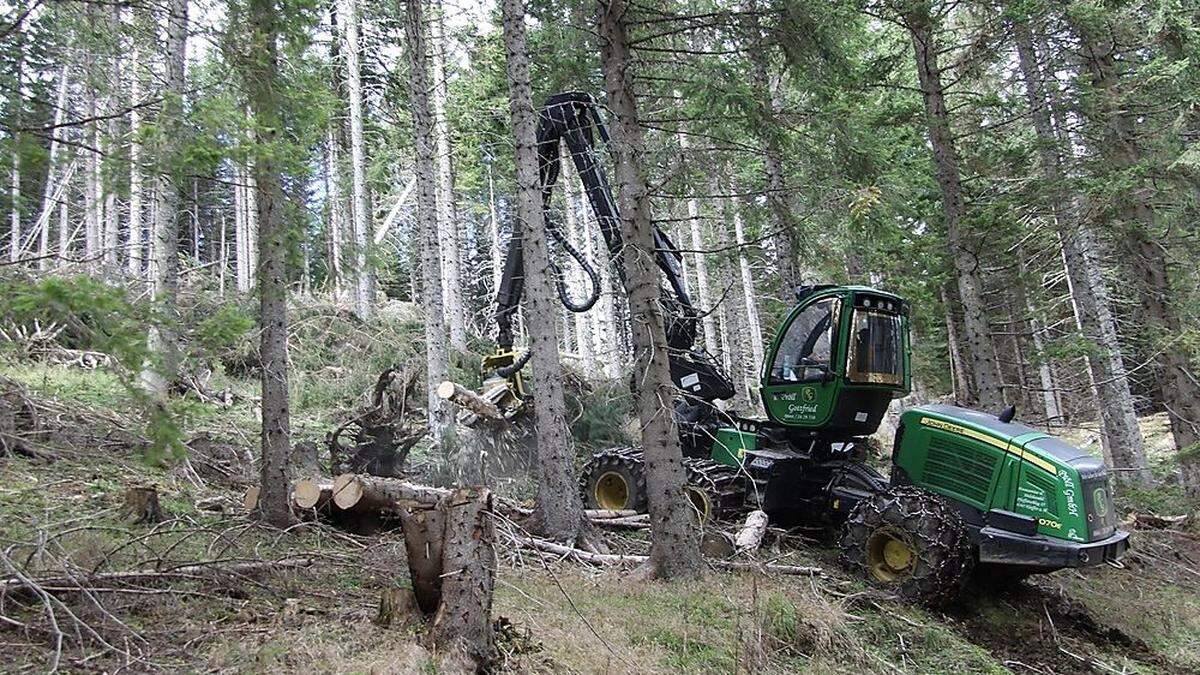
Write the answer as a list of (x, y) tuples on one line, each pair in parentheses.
[(628, 456), (724, 484), (933, 523)]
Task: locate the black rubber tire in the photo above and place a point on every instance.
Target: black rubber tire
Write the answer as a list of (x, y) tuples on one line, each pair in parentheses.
[(625, 462), (929, 526), (722, 486)]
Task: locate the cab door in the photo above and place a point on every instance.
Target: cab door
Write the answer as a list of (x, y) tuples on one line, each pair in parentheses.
[(801, 374)]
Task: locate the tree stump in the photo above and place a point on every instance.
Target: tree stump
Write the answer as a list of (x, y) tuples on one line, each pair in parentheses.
[(396, 606), (452, 566), (141, 504)]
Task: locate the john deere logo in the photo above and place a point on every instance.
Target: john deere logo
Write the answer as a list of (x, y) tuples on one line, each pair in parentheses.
[(808, 394), (1100, 502)]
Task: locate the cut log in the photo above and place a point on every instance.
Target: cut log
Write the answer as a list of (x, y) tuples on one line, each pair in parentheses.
[(473, 402), (602, 514), (141, 504), (311, 493), (751, 535), (357, 491), (1153, 521)]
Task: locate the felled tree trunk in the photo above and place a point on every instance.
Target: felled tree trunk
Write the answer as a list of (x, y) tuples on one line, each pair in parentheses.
[(465, 398)]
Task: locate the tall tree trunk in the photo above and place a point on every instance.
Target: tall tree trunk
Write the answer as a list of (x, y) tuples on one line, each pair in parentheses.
[(750, 297), (674, 544), (15, 240), (240, 240), (335, 145), (577, 233), (164, 259), (709, 321), (250, 195), (736, 334), (437, 364), (963, 250), (604, 340), (262, 84), (559, 512), (766, 90), (1121, 438), (134, 263), (112, 221), (335, 203), (56, 175), (358, 178), (448, 229), (496, 251), (960, 372), (1177, 381)]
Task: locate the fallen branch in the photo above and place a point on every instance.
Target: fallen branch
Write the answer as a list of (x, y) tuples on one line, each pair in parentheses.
[(616, 559), (22, 583)]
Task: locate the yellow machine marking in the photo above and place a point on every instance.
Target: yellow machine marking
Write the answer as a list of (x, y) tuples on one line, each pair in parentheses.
[(990, 440)]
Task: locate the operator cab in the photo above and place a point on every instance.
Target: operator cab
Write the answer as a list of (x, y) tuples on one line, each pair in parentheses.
[(840, 357)]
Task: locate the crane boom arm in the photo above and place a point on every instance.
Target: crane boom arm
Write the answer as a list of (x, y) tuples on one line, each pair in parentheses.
[(574, 118)]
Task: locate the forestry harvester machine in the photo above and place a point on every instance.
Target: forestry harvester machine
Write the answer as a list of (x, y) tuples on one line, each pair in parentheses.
[(966, 488)]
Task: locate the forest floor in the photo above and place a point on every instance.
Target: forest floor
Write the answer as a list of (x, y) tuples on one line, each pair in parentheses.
[(209, 605)]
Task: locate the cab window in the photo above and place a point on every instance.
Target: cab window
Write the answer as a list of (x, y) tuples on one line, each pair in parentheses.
[(806, 352), (876, 348)]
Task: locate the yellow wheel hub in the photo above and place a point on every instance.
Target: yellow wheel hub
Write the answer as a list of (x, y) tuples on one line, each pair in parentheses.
[(700, 502), (890, 554), (612, 491)]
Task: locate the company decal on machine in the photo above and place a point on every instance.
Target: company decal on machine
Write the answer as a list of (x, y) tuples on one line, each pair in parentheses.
[(1068, 489), (1031, 499), (980, 436)]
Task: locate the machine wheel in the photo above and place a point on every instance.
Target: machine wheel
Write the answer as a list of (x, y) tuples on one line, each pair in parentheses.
[(911, 541), (615, 479), (716, 490)]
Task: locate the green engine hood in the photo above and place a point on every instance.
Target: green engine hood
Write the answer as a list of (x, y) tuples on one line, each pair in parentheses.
[(975, 458)]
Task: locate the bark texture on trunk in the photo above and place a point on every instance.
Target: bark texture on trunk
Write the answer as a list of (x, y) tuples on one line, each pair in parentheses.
[(1120, 436), (963, 249), (559, 512), (1178, 382), (448, 230), (452, 565), (16, 104), (136, 176), (263, 90), (674, 541), (437, 364), (164, 242), (360, 218), (56, 175)]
